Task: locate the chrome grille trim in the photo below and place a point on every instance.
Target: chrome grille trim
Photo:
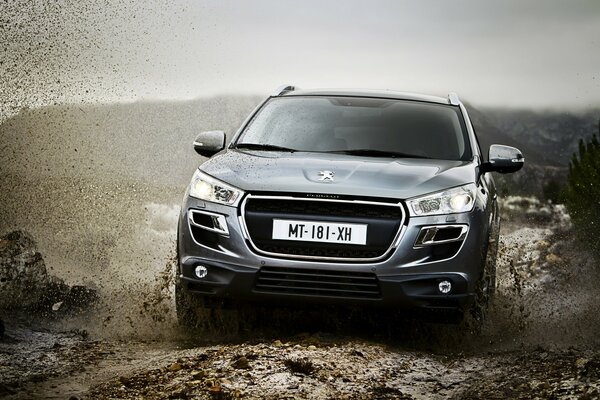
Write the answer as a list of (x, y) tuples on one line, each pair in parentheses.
[(426, 236), (394, 243), (218, 219)]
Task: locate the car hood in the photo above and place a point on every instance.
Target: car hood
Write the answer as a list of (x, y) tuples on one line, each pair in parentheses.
[(299, 172)]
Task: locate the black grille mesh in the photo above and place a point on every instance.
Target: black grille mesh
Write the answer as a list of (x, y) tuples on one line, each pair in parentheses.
[(315, 282)]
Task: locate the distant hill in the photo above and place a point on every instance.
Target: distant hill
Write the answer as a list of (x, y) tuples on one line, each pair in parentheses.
[(547, 139), (488, 134), (554, 134)]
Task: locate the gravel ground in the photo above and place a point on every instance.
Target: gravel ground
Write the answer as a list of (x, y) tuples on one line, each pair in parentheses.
[(357, 370), (539, 341)]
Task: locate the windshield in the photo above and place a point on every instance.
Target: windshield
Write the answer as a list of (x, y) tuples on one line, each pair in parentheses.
[(360, 126)]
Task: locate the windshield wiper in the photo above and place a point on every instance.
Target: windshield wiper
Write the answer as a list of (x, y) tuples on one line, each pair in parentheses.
[(262, 146), (377, 153)]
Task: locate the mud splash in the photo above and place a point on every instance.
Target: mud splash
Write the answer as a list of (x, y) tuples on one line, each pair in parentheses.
[(546, 281)]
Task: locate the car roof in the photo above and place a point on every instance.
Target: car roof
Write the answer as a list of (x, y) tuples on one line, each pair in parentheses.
[(386, 94)]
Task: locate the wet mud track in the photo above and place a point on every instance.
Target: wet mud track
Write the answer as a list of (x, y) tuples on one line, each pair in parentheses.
[(357, 370), (539, 341), (534, 344), (314, 366)]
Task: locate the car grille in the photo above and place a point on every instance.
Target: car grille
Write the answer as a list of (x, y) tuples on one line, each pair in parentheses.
[(315, 282), (323, 208), (384, 220)]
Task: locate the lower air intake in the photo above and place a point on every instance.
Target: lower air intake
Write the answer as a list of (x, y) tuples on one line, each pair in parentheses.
[(312, 282)]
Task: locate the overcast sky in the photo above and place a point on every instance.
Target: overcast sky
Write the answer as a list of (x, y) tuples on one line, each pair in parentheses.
[(493, 53)]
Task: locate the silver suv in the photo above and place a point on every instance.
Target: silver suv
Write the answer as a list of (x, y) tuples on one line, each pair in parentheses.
[(373, 198)]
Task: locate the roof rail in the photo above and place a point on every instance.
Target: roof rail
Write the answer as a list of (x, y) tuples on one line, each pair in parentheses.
[(283, 89), (453, 99)]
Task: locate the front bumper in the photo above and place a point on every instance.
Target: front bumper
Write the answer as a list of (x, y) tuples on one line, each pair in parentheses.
[(226, 281), (408, 277)]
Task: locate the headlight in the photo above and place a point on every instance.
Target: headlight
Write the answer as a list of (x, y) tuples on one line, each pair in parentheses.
[(455, 200), (205, 187)]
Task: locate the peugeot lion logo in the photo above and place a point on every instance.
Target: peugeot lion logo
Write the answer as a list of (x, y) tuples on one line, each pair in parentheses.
[(326, 176)]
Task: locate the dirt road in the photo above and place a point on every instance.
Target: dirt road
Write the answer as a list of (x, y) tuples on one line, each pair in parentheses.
[(539, 341)]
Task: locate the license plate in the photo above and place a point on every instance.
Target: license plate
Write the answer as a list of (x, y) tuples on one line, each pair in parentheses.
[(316, 231)]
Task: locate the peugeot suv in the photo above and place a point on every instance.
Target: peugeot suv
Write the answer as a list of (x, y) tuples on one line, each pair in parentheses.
[(370, 198)]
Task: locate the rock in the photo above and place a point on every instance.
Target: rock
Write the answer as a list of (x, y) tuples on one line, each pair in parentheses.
[(181, 393), (590, 369), (301, 366), (175, 367), (553, 259), (241, 363), (198, 375), (125, 381), (357, 353), (215, 389), (580, 362), (26, 285), (542, 244), (23, 274)]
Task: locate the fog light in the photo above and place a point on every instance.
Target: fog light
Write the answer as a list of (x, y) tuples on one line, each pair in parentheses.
[(201, 271), (445, 287)]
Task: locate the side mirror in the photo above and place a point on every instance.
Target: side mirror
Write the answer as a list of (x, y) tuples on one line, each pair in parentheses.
[(503, 159), (209, 143)]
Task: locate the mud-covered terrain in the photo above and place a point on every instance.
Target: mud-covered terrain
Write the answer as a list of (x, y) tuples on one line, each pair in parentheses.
[(90, 200), (539, 339), (90, 194)]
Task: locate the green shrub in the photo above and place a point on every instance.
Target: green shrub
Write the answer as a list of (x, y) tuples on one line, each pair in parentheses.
[(582, 195)]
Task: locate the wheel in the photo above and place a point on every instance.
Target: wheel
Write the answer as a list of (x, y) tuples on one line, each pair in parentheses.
[(190, 309), (492, 256), (217, 319), (486, 286)]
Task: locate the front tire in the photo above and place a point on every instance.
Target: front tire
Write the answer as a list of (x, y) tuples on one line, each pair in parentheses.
[(190, 309), (225, 321), (486, 286)]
